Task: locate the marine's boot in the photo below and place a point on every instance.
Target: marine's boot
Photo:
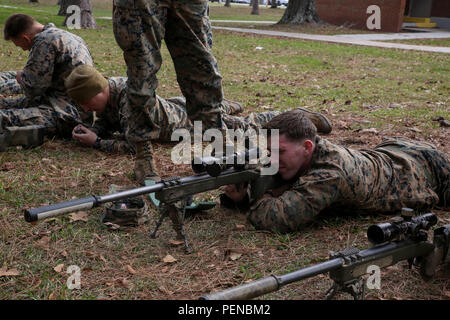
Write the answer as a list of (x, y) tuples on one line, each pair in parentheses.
[(321, 122), (5, 138), (231, 107), (144, 165), (26, 136)]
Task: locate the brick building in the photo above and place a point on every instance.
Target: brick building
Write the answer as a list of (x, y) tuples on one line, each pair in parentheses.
[(361, 14)]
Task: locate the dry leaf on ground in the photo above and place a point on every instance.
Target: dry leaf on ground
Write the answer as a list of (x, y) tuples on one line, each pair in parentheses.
[(131, 270), (59, 267), (79, 216), (169, 259), (4, 272)]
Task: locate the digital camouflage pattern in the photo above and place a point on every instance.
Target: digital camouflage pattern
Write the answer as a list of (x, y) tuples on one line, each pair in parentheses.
[(139, 27), (53, 55), (396, 174), (170, 114), (9, 84)]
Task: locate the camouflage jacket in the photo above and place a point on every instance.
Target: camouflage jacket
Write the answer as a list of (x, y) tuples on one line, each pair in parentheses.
[(112, 124), (53, 55), (395, 174)]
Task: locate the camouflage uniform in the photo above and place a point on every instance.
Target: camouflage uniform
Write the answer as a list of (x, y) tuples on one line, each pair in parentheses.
[(9, 84), (53, 55), (395, 174), (169, 114), (139, 28)]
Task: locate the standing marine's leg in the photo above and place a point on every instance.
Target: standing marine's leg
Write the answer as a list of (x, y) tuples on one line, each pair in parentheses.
[(196, 67), (138, 29)]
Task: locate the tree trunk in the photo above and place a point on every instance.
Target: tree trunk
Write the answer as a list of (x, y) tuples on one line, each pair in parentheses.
[(63, 4), (255, 7), (273, 4), (300, 11), (36, 1), (227, 3), (87, 19)]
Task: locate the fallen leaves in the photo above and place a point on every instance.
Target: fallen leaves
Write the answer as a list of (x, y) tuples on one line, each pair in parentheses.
[(233, 254), (130, 269), (169, 259), (4, 272), (43, 242), (7, 166), (59, 267), (79, 216), (176, 242)]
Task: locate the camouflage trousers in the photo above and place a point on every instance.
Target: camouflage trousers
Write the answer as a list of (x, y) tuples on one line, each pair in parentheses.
[(139, 27), (20, 117), (434, 163), (55, 113), (9, 84)]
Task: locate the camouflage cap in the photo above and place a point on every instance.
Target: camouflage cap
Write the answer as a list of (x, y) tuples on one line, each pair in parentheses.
[(84, 83)]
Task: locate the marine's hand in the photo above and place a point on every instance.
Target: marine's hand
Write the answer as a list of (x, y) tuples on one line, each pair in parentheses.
[(19, 75), (84, 135), (237, 194)]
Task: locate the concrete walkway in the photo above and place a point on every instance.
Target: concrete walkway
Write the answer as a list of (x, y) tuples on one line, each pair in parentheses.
[(359, 39), (370, 39)]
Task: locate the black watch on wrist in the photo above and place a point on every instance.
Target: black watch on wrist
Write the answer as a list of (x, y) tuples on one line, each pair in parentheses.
[(96, 144)]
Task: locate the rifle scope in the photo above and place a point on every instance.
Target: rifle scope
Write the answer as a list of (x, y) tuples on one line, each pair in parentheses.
[(215, 165), (391, 231)]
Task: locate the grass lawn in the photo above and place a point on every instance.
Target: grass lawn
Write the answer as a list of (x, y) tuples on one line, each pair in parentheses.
[(426, 42), (389, 92)]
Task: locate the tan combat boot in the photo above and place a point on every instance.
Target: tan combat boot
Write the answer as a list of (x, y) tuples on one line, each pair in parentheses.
[(321, 122), (144, 165)]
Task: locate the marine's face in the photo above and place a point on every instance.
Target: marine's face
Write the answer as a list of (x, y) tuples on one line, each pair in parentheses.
[(23, 41), (96, 103), (292, 156)]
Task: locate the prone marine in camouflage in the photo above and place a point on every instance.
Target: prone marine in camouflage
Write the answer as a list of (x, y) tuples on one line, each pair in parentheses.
[(395, 174), (170, 114), (139, 28), (54, 53)]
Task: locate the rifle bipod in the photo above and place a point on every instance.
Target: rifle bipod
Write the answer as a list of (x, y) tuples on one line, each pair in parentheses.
[(357, 288), (176, 215)]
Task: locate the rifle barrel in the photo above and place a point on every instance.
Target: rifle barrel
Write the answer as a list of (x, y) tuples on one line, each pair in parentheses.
[(273, 283), (190, 185), (57, 209)]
